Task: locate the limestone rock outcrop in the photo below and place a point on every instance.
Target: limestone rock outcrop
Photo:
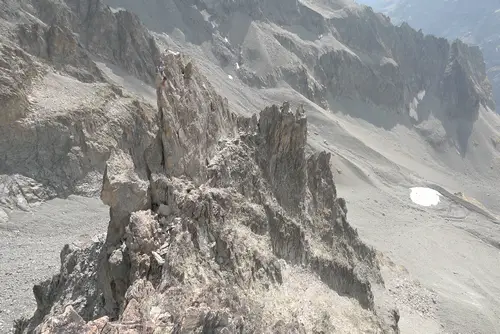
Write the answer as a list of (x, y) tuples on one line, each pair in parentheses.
[(479, 27), (201, 244), (345, 51), (61, 116), (118, 37), (333, 53), (218, 223), (324, 49)]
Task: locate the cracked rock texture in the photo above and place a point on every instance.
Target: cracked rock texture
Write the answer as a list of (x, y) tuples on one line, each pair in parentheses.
[(328, 51), (215, 219), (61, 142), (201, 254), (325, 53), (218, 223), (475, 24)]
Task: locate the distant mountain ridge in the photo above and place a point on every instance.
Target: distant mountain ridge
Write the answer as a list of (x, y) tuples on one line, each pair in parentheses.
[(474, 22)]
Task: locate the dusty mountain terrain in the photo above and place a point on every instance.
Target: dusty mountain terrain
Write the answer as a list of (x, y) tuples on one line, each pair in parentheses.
[(476, 23), (223, 222)]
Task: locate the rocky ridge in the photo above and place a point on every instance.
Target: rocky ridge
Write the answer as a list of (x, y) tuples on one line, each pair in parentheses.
[(189, 185), (247, 195), (247, 207), (392, 67), (329, 51), (475, 24)]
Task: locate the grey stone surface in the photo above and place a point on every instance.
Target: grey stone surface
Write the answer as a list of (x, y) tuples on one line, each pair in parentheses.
[(474, 23), (218, 222)]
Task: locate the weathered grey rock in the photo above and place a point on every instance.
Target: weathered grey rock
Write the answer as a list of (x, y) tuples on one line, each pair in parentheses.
[(210, 214), (323, 50), (208, 232), (60, 132), (58, 45), (193, 118), (4, 217), (213, 217), (282, 157), (16, 73), (67, 152), (116, 37), (479, 27), (76, 283), (18, 192)]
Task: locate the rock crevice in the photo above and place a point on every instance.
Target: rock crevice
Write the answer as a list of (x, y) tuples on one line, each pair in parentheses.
[(232, 205)]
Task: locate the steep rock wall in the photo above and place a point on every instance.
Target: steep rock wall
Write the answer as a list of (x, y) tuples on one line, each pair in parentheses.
[(192, 248)]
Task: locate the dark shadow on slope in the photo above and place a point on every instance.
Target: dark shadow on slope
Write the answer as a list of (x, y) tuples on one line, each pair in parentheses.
[(369, 112), (173, 17), (236, 27)]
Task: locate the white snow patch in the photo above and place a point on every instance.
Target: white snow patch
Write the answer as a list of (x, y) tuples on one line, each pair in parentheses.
[(387, 60), (230, 76), (414, 104), (413, 109), (170, 52), (421, 95), (206, 15), (424, 196), (237, 66), (116, 10), (226, 40)]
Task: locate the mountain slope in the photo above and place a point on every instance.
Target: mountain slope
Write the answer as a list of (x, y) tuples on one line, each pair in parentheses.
[(474, 23), (385, 100), (215, 220), (392, 107), (329, 52)]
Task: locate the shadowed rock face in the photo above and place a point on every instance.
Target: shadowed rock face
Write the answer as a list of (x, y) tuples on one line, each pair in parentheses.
[(282, 158), (193, 118), (58, 45), (474, 23), (334, 51), (117, 37), (362, 57), (61, 143), (209, 212)]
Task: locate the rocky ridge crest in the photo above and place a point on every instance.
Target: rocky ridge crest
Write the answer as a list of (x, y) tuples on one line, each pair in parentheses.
[(196, 247), (325, 50), (474, 24), (334, 53), (355, 53), (213, 217), (216, 221)]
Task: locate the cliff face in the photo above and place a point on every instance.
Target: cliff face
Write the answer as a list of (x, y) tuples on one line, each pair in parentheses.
[(218, 223), (474, 23), (332, 51), (214, 243), (115, 36), (62, 118), (324, 52)]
